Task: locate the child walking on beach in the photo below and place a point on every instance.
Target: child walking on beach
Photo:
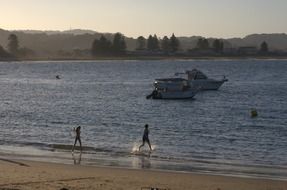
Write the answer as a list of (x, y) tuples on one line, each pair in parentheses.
[(77, 138), (146, 138)]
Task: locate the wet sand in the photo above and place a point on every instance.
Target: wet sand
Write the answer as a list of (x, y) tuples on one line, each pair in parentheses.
[(28, 175)]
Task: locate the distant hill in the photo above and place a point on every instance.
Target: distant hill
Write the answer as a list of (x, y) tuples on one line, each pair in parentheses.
[(52, 42), (275, 41), (187, 43), (49, 32)]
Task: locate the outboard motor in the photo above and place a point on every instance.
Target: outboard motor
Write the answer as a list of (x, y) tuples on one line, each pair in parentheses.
[(152, 95)]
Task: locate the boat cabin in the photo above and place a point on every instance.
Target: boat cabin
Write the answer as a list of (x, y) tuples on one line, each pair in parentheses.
[(171, 84), (195, 74)]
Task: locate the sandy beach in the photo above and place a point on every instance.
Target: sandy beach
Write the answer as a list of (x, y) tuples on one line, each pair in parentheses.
[(28, 175)]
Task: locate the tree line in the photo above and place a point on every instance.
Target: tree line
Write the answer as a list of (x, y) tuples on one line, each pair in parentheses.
[(153, 43), (117, 46), (218, 46), (103, 46)]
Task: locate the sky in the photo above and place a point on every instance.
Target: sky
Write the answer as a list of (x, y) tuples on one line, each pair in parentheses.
[(133, 18)]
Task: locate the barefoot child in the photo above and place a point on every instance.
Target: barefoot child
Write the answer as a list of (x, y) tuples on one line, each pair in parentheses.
[(146, 138), (77, 138)]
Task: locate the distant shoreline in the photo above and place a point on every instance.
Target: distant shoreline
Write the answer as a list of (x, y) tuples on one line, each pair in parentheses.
[(147, 58)]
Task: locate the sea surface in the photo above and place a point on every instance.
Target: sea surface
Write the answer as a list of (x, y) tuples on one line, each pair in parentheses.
[(211, 133)]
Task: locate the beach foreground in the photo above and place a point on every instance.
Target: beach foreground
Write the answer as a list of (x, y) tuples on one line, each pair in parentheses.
[(39, 175)]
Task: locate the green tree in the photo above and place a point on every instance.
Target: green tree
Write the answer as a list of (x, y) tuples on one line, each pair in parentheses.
[(218, 45), (155, 42), (95, 50), (13, 44), (199, 43), (174, 43), (264, 47), (101, 46), (165, 44), (105, 44), (119, 45), (202, 44), (141, 43), (152, 43), (221, 46)]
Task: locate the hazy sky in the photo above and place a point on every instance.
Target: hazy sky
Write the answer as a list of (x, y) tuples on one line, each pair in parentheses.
[(209, 18)]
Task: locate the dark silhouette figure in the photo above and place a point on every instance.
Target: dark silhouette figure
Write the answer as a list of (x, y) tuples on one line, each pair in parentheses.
[(145, 138), (78, 138)]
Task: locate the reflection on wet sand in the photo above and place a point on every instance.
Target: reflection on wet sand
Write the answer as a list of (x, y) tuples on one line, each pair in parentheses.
[(77, 158), (142, 161)]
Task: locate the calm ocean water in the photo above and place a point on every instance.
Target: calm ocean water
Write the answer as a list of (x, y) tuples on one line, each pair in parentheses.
[(211, 133)]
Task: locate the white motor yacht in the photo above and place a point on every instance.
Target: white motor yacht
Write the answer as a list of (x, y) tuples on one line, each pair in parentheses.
[(172, 88), (197, 79)]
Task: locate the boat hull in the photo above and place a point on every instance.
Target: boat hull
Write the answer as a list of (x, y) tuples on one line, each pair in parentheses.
[(174, 95), (209, 84)]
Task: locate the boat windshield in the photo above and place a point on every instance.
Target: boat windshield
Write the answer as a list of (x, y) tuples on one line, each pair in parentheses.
[(195, 75)]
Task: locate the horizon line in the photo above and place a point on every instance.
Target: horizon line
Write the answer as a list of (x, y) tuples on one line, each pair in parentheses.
[(91, 30)]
